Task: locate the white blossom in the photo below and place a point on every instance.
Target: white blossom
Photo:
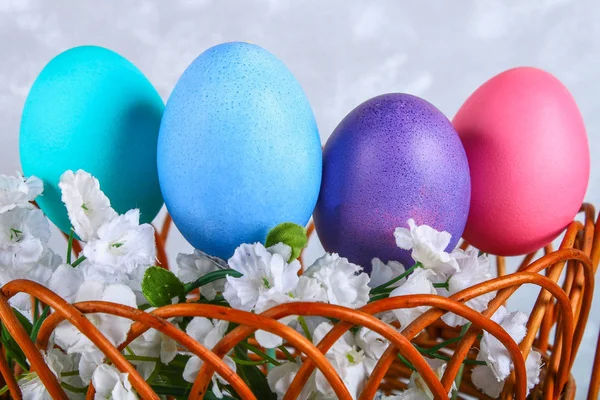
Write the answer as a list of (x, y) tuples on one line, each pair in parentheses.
[(112, 327), (347, 359), (122, 243), (31, 385), (264, 275), (17, 191), (194, 266), (474, 269), (428, 246), (308, 290), (483, 377), (280, 378), (39, 272), (65, 282), (112, 384), (152, 344), (385, 272), (87, 206), (417, 388), (345, 283), (417, 283), (207, 333), (493, 351), (24, 234)]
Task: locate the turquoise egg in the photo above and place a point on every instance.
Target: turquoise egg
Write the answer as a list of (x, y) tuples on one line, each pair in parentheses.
[(238, 150), (92, 109)]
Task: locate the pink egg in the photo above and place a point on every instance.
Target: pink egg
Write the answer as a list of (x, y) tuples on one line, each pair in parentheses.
[(529, 160)]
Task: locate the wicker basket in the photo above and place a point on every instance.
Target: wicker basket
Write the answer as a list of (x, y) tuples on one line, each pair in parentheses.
[(564, 306)]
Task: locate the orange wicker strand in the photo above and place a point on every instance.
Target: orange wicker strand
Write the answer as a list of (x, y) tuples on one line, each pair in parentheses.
[(62, 308), (561, 308), (8, 376), (594, 390), (31, 352), (161, 325)]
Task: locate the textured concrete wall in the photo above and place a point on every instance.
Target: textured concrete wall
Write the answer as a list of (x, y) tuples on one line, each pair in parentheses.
[(342, 52)]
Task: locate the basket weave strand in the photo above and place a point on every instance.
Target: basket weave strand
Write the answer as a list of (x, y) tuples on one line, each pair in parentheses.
[(562, 305)]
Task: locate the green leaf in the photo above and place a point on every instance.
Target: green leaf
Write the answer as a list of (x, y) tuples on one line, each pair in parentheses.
[(291, 234), (23, 320), (13, 350), (252, 375), (160, 286)]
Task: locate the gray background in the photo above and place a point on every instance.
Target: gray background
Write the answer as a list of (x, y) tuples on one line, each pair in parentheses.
[(341, 52)]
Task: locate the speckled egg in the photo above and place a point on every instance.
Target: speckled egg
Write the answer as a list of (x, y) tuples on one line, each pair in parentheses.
[(92, 109), (529, 157), (394, 157), (239, 150)]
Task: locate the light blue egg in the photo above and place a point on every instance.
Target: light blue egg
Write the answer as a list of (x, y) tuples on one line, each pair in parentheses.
[(238, 150), (92, 109)]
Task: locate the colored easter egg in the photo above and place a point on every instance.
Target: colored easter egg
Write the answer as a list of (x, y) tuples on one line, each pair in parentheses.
[(529, 158), (92, 109), (394, 157), (239, 150)]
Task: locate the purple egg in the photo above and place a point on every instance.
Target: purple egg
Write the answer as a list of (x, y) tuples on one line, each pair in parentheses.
[(394, 157)]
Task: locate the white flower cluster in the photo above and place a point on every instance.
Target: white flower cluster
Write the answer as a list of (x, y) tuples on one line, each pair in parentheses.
[(118, 251)]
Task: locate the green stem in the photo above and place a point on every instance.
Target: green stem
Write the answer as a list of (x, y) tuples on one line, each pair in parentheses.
[(36, 310), (304, 326), (78, 261), (247, 362), (69, 373), (287, 353), (396, 279), (38, 323), (70, 245), (406, 363), (458, 381), (211, 277), (142, 358), (73, 388), (259, 353), (379, 297)]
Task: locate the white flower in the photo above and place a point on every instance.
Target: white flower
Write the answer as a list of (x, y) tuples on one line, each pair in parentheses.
[(474, 269), (417, 388), (264, 275), (383, 273), (198, 264), (493, 351), (280, 378), (39, 272), (307, 289), (345, 283), (417, 283), (16, 191), (123, 243), (32, 387), (428, 246), (87, 206), (112, 384), (65, 282), (483, 377), (347, 359), (153, 344), (112, 327), (24, 234), (371, 342), (208, 333)]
